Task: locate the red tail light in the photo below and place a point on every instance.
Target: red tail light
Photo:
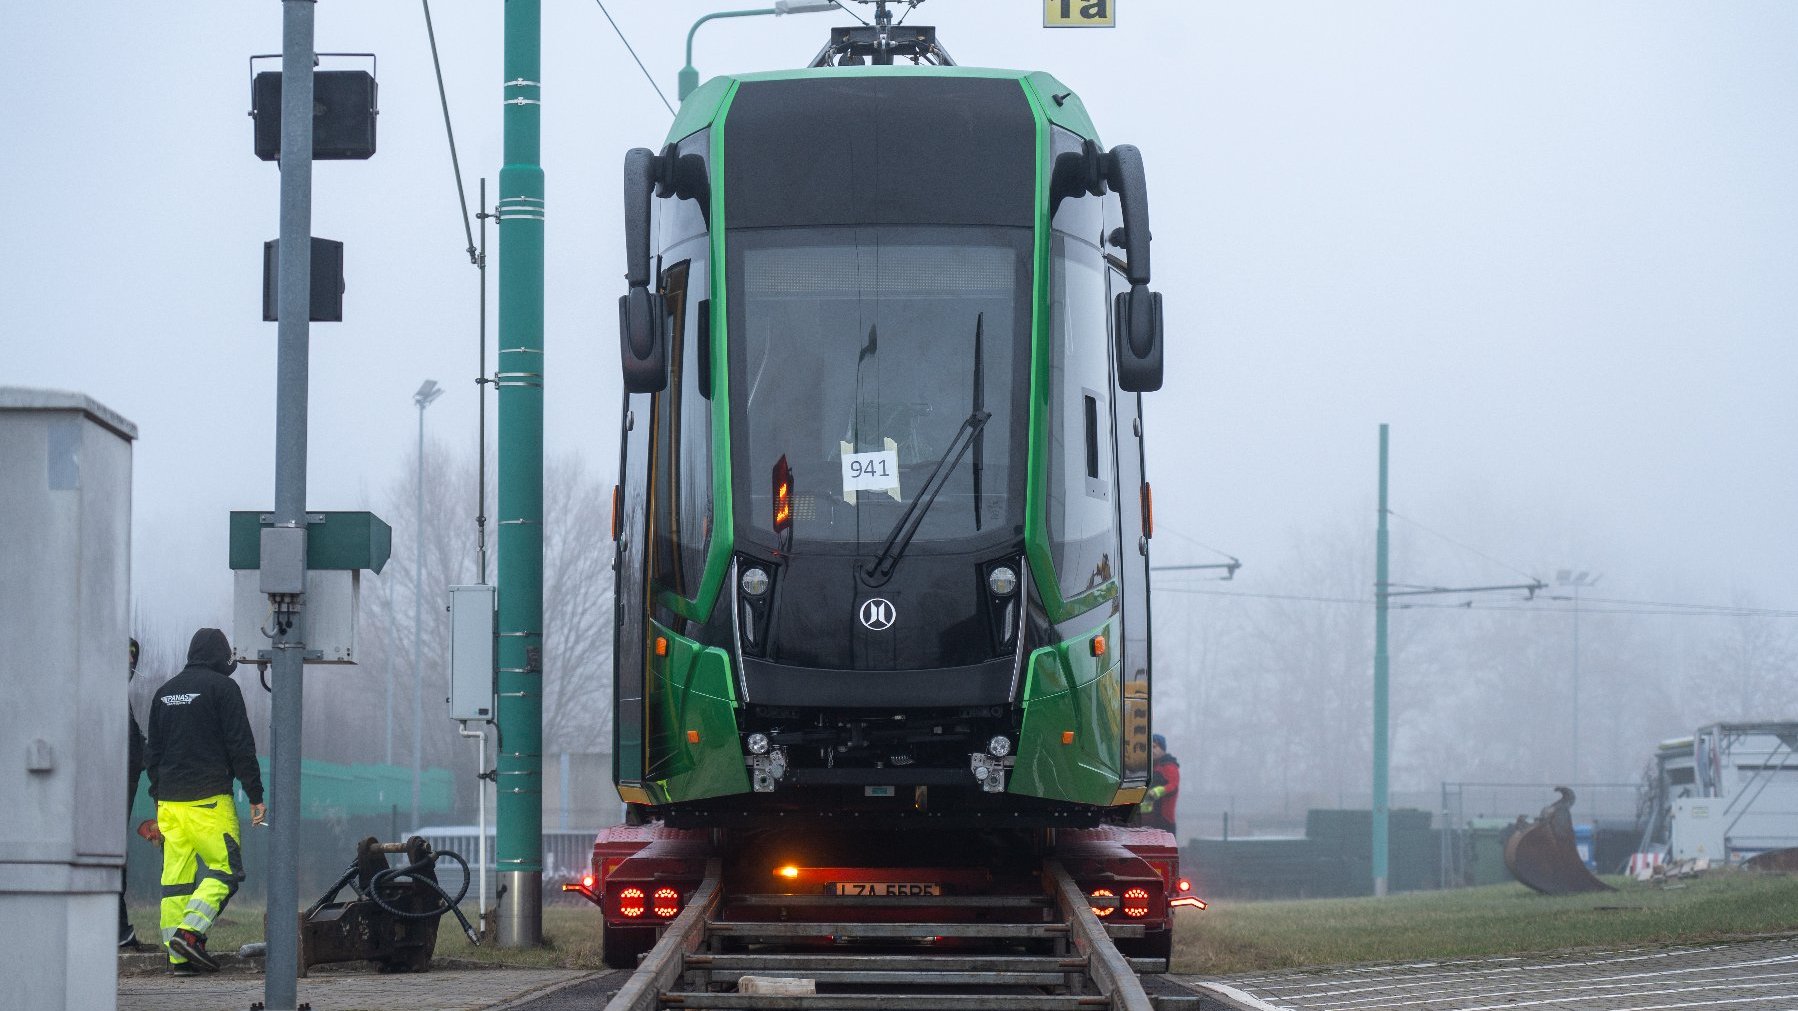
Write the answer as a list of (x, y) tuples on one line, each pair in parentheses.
[(1105, 909), (586, 881), (630, 903), (1136, 902), (667, 902)]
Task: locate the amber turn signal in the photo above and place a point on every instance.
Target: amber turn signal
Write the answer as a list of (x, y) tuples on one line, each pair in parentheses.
[(1067, 737), (1098, 645)]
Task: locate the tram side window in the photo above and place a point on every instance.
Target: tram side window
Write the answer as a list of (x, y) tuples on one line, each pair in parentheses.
[(683, 434), (1082, 513)]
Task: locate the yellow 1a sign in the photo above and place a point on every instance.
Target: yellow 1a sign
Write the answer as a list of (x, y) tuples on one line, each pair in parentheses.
[(1080, 14)]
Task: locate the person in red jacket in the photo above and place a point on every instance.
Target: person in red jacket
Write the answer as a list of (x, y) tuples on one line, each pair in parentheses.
[(1164, 787)]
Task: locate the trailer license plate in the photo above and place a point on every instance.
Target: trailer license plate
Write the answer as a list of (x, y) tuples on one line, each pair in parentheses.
[(885, 889)]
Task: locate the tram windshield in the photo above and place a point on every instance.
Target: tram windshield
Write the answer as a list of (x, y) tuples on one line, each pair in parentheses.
[(866, 359)]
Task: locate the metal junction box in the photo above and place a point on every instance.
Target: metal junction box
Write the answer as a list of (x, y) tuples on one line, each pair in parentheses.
[(471, 651), (65, 591)]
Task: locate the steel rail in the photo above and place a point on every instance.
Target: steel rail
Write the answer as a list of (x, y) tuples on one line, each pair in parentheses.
[(1107, 967), (655, 984), (665, 962)]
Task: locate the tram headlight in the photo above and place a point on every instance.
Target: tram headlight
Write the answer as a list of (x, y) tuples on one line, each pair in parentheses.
[(754, 581), (1002, 580), (758, 743), (999, 746)]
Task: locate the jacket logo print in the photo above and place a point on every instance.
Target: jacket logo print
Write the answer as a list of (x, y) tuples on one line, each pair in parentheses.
[(179, 700)]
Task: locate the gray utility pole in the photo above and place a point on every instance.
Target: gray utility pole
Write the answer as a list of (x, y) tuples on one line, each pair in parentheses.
[(427, 395), (294, 308), (1575, 580), (1383, 593), (1382, 665)]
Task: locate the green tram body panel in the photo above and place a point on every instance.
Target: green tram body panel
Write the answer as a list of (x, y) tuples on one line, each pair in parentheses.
[(681, 725)]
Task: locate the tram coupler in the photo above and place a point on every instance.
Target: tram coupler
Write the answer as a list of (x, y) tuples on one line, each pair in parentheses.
[(392, 920)]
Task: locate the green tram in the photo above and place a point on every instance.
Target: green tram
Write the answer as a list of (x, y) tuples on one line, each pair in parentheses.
[(882, 523)]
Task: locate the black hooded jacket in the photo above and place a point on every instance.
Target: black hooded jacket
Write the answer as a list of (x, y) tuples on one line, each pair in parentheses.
[(199, 735)]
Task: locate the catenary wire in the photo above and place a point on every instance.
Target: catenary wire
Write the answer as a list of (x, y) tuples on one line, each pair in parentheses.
[(628, 47), (1464, 547), (1643, 608)]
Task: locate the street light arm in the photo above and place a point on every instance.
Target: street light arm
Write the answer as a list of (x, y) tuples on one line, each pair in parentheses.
[(689, 69), (689, 75)]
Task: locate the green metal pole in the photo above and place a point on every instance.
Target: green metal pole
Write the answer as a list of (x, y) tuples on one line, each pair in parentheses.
[(1381, 670), (520, 380)]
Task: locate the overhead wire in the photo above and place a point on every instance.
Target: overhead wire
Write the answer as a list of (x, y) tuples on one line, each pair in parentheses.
[(632, 50), (1635, 607), (1464, 547), (1177, 532)]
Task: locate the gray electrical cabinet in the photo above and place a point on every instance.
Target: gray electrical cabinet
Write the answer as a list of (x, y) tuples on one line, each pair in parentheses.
[(65, 581), (471, 652)]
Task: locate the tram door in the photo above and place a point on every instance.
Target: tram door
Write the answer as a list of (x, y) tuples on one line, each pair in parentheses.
[(631, 599), (1133, 568)]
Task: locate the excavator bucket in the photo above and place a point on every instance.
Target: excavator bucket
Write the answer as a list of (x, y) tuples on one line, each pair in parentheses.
[(1542, 854)]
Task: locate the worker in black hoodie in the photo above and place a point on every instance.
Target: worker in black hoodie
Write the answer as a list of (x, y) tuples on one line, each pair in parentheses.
[(199, 740)]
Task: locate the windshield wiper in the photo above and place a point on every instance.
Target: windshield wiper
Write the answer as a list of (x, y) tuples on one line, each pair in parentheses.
[(881, 569), (979, 405)]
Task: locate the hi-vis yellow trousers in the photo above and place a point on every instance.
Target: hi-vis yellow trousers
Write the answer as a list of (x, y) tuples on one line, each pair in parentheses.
[(201, 863)]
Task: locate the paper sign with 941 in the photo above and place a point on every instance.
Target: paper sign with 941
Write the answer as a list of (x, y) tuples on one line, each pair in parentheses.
[(877, 471)]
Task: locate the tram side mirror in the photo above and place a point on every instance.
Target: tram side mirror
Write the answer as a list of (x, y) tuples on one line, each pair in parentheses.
[(1077, 174), (1136, 315), (642, 339), (643, 343), (1136, 328), (1124, 173)]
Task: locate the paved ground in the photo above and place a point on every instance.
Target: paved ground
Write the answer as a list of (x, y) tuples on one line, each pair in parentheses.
[(1751, 976), (444, 990)]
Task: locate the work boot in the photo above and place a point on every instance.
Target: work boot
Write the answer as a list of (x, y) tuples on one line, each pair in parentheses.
[(192, 947)]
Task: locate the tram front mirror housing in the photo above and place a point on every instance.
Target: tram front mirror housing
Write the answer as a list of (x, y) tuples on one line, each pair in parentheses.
[(1124, 174), (1136, 315), (642, 340), (1136, 326), (642, 343)]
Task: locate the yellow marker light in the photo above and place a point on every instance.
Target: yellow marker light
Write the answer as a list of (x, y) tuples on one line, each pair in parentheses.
[(1067, 737), (789, 871), (692, 737)]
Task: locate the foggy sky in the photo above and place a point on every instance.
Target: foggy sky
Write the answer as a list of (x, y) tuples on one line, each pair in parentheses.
[(1553, 244)]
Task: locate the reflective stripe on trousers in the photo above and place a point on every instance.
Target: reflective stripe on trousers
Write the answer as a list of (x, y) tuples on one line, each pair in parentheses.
[(201, 863)]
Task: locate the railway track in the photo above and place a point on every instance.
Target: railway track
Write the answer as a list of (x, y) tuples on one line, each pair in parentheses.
[(1051, 953)]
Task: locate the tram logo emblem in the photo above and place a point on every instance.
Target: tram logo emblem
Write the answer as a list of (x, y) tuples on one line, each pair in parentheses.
[(878, 614)]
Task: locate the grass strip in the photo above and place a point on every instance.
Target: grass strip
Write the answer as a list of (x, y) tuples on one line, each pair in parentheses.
[(1235, 937)]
